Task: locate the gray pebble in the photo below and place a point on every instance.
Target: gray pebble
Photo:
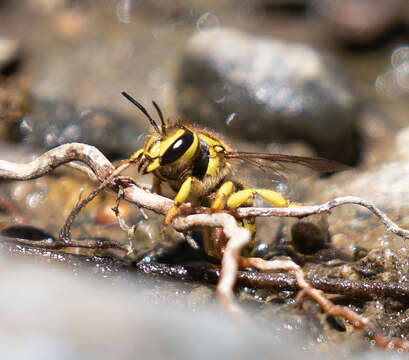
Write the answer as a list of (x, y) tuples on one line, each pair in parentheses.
[(277, 91)]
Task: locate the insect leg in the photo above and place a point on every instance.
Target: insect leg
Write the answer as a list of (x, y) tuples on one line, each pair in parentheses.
[(243, 196), (179, 199), (222, 195)]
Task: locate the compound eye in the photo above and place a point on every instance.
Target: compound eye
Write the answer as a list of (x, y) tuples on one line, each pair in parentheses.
[(177, 149)]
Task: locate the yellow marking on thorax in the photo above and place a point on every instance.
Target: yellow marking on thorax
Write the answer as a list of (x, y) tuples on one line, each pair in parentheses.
[(208, 140), (214, 162), (214, 159)]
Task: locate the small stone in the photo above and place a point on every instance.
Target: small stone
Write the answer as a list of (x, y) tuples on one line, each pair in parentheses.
[(310, 234)]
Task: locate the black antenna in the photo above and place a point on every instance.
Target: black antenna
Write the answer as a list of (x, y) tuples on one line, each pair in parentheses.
[(140, 107), (160, 116)]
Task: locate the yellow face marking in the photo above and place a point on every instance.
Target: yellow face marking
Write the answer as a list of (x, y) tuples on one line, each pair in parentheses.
[(135, 156), (155, 164)]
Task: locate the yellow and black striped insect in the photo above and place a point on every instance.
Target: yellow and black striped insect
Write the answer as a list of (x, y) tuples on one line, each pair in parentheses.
[(198, 165)]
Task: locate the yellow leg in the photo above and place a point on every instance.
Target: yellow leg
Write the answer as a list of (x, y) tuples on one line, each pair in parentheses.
[(183, 192), (222, 194), (243, 196), (180, 198)]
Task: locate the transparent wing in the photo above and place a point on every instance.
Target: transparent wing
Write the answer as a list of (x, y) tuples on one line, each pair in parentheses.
[(280, 166)]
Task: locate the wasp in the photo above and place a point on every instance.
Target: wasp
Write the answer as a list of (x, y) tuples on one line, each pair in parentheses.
[(198, 165)]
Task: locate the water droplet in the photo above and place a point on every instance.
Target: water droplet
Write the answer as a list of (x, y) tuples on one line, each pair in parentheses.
[(26, 127), (400, 56), (220, 100), (262, 246), (34, 200), (85, 112), (282, 188), (70, 133), (50, 137), (206, 21), (384, 241), (230, 118)]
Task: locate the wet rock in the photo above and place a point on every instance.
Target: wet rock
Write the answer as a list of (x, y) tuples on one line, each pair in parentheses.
[(384, 186), (276, 90), (54, 123), (10, 54), (386, 265)]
